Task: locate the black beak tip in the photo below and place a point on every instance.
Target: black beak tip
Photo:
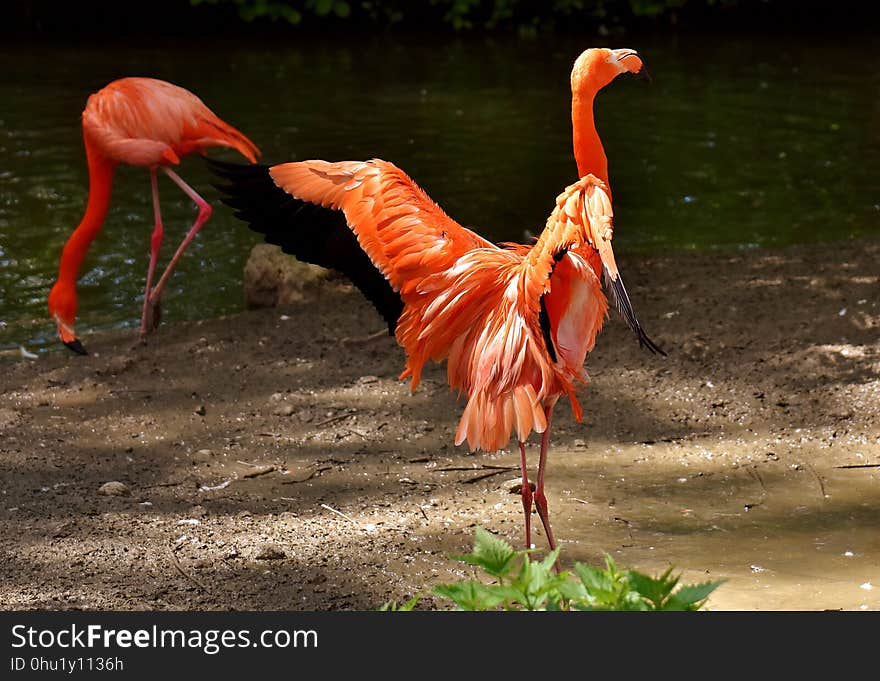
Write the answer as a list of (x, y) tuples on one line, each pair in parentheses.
[(644, 75), (76, 346)]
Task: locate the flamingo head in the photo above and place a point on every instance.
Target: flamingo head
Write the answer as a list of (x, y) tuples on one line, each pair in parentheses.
[(598, 66), (62, 308)]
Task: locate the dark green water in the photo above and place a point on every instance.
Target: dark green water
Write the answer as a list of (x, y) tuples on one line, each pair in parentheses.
[(739, 143)]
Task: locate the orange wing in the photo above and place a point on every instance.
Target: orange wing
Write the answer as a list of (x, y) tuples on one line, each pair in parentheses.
[(144, 121), (405, 234)]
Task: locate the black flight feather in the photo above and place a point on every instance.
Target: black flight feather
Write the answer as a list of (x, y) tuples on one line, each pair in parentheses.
[(620, 298), (309, 232)]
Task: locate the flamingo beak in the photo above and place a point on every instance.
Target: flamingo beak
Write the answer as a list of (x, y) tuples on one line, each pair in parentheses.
[(630, 61), (68, 337), (76, 346)]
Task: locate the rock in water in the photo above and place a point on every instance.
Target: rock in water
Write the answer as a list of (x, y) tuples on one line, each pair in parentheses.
[(273, 278)]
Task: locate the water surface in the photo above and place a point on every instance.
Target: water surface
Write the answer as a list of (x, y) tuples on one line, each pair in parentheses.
[(739, 143)]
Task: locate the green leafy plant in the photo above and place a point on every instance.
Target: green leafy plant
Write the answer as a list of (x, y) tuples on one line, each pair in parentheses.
[(521, 583)]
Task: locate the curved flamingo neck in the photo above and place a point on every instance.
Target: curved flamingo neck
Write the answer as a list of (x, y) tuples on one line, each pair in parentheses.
[(100, 186), (588, 150)]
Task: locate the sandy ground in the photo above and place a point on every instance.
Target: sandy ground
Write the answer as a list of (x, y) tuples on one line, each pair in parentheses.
[(265, 465)]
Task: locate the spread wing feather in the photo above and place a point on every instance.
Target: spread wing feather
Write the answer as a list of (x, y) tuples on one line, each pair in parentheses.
[(405, 234), (305, 230)]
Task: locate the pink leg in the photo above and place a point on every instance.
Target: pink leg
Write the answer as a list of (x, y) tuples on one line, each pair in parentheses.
[(203, 216), (155, 245), (526, 495), (540, 499)]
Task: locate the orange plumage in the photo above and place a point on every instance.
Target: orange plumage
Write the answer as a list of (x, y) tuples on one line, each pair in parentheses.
[(513, 322), (142, 122)]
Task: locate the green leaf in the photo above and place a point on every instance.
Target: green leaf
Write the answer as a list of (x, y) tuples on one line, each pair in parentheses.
[(492, 554), (594, 580), (692, 596), (473, 595), (655, 590), (573, 591), (607, 589), (537, 581)]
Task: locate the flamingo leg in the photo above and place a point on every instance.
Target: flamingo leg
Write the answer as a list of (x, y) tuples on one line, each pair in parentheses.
[(540, 499), (526, 492), (147, 317), (203, 216)]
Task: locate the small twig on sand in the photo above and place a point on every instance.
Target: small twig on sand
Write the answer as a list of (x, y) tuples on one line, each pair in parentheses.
[(180, 569), (277, 436), (484, 476), (819, 480), (676, 438), (165, 484), (859, 465), (311, 475), (362, 340), (480, 468), (340, 513), (626, 524), (256, 472), (753, 473), (493, 470), (116, 391), (338, 417)]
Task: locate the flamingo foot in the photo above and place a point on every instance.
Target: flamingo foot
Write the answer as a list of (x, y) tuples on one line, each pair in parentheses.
[(541, 506), (151, 318), (526, 492), (543, 513)]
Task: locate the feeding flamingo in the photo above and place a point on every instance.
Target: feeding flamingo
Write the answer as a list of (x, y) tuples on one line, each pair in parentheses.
[(142, 122), (514, 322)]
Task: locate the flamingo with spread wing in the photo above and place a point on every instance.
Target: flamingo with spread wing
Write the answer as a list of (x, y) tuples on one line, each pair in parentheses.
[(513, 322)]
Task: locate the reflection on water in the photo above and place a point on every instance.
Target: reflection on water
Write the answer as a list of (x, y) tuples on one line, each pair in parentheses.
[(738, 143)]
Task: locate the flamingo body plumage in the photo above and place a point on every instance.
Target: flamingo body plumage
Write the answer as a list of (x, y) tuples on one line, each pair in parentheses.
[(142, 122)]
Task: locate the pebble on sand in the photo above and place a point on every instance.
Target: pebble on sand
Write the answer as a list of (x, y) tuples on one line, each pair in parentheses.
[(114, 488), (269, 552), (283, 410), (203, 456)]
